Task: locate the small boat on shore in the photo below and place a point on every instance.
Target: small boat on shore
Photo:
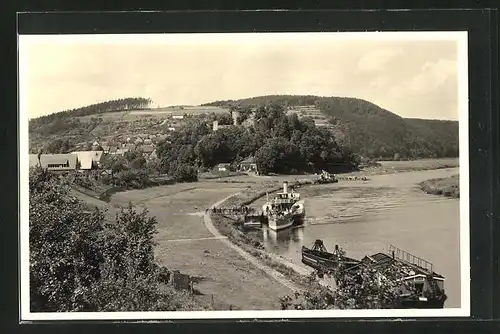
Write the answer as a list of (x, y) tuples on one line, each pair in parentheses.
[(320, 259), (326, 178)]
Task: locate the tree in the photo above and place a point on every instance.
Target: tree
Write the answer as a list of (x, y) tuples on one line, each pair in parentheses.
[(81, 262), (58, 146), (184, 173)]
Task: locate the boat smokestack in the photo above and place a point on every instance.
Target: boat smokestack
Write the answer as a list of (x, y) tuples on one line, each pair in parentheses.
[(285, 187)]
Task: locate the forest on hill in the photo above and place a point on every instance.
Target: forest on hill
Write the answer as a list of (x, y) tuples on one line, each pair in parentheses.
[(93, 109), (279, 142), (369, 129)]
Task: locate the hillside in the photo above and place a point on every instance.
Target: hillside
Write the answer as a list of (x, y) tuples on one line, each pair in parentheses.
[(368, 129), (111, 121), (363, 126)]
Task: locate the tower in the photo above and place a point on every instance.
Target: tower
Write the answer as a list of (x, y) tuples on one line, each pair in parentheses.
[(235, 115)]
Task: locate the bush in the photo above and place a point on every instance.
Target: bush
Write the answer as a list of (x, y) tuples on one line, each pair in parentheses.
[(185, 173), (131, 178), (366, 288), (80, 262)]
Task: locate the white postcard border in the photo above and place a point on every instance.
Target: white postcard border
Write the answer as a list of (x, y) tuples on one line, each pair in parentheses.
[(464, 310)]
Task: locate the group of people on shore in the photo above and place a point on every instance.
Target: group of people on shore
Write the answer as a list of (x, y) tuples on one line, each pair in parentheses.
[(233, 210), (353, 178)]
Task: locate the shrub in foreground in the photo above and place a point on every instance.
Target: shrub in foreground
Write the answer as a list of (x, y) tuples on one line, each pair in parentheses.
[(80, 262)]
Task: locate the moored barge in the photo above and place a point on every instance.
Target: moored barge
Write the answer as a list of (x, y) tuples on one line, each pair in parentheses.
[(426, 287), (320, 259)]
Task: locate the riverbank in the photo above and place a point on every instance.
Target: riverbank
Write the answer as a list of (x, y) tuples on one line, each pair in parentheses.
[(448, 187), (250, 241), (396, 167), (352, 202), (365, 217), (225, 279)]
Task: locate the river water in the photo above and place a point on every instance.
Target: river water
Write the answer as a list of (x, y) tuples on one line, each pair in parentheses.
[(365, 217)]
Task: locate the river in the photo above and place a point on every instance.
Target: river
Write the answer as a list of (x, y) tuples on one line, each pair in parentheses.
[(365, 217)]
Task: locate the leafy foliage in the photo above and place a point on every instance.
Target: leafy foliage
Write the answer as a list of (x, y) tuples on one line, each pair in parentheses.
[(280, 143), (366, 288), (370, 130), (58, 146), (80, 262)]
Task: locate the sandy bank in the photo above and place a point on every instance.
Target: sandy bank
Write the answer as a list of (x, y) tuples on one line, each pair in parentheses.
[(448, 187)]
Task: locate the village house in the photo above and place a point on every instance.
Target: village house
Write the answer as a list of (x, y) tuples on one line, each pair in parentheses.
[(148, 141), (89, 159), (112, 149), (216, 126), (121, 151), (223, 167), (138, 141), (130, 147), (248, 165), (54, 162), (153, 155), (147, 150)]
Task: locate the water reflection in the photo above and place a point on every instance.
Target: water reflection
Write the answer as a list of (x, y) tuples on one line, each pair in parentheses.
[(284, 240), (366, 218)]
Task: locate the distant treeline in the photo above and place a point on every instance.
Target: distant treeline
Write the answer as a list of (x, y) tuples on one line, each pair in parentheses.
[(93, 109), (370, 130)]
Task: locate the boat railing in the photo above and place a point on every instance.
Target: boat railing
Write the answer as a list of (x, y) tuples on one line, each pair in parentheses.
[(410, 258)]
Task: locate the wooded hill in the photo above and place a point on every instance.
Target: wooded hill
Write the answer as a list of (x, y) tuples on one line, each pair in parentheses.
[(93, 109), (369, 129)]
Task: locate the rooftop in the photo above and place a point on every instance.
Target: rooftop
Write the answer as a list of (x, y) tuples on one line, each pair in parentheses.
[(54, 161)]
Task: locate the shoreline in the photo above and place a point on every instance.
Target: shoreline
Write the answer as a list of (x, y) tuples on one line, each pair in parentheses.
[(448, 187), (256, 256), (250, 245), (253, 247)]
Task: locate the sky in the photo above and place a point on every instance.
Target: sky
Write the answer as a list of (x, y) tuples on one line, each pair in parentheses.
[(413, 76)]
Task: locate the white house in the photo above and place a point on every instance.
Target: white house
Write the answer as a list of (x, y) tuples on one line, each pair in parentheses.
[(89, 159)]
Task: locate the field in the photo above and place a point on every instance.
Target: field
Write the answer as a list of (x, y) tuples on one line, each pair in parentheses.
[(156, 113), (185, 244), (423, 164)]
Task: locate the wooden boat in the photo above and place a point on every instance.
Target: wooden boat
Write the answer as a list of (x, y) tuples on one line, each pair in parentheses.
[(253, 219), (326, 177), (319, 258)]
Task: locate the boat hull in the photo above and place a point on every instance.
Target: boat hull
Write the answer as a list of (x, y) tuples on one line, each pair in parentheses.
[(277, 223), (324, 260), (435, 303)]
